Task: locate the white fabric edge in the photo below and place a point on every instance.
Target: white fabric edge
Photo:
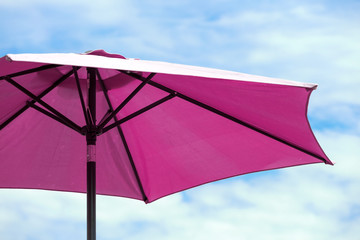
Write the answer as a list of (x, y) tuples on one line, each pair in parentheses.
[(84, 60)]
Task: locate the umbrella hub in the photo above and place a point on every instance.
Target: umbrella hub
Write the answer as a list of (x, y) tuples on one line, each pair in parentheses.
[(91, 136)]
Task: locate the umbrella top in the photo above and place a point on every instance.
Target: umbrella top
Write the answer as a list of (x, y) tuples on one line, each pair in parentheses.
[(161, 127), (102, 59)]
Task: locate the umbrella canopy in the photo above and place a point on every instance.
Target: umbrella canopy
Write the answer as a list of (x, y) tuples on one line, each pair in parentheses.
[(160, 128)]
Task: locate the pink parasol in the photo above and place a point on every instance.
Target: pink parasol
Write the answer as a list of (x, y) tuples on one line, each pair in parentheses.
[(145, 129)]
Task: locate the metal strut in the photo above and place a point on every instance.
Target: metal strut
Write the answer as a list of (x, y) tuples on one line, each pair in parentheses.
[(114, 112), (42, 94)]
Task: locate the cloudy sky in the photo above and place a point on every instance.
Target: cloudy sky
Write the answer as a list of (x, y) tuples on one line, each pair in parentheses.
[(308, 41)]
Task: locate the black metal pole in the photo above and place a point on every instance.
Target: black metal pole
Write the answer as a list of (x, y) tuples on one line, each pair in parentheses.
[(91, 200), (91, 156)]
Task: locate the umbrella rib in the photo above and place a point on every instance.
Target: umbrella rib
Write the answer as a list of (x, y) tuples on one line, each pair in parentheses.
[(116, 111), (37, 69), (122, 136), (45, 92), (44, 104), (142, 110), (81, 96), (218, 112), (105, 116), (43, 111)]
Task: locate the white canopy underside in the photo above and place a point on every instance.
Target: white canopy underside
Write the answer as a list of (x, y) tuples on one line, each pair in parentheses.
[(136, 65)]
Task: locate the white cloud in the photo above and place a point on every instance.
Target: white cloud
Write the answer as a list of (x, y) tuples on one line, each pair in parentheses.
[(311, 43)]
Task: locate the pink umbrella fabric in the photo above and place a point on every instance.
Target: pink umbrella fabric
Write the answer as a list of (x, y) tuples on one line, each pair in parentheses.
[(186, 126), (103, 124)]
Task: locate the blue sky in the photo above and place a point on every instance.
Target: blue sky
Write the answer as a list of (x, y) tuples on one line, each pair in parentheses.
[(308, 41)]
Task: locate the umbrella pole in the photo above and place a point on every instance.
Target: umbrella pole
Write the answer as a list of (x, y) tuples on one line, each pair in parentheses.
[(91, 193), (91, 157)]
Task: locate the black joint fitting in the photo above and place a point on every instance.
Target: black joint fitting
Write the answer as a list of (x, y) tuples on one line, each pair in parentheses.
[(98, 132), (91, 137), (84, 130)]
